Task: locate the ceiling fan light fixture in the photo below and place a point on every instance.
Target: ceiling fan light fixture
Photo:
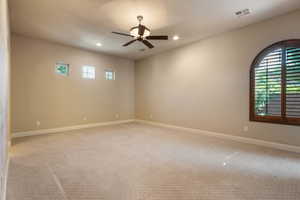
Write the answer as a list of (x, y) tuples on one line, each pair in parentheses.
[(141, 34), (135, 32), (147, 33)]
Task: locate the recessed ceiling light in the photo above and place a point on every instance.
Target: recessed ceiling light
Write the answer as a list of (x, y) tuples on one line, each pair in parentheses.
[(99, 44), (175, 37)]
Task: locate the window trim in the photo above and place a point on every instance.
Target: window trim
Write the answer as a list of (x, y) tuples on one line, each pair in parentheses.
[(272, 119), (88, 72), (110, 71), (58, 64)]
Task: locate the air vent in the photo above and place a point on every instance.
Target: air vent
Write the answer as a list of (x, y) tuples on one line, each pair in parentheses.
[(242, 13)]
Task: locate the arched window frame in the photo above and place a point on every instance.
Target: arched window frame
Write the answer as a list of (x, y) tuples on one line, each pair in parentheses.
[(295, 43)]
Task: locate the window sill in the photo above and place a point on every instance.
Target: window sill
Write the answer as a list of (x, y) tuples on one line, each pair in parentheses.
[(276, 120)]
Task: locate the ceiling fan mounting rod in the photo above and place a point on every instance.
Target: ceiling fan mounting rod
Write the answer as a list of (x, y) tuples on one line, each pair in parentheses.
[(140, 18)]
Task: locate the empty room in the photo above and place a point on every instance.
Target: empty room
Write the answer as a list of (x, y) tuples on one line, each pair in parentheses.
[(149, 100)]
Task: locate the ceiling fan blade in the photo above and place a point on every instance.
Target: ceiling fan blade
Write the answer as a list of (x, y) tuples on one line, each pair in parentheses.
[(157, 37), (141, 30), (124, 34), (128, 43), (148, 44)]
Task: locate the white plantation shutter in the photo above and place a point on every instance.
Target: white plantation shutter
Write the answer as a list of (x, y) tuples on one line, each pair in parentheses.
[(275, 84), (268, 85), (293, 82)]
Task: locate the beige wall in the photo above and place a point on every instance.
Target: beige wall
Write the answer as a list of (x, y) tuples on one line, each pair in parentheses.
[(4, 94), (205, 85), (38, 94)]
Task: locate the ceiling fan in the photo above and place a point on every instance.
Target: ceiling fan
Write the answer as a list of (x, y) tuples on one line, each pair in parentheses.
[(142, 34)]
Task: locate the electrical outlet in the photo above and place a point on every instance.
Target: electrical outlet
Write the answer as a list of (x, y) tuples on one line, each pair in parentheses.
[(38, 123), (151, 116), (246, 128), (117, 116), (84, 118)]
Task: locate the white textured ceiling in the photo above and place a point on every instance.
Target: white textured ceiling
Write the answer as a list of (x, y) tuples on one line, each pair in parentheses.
[(83, 23)]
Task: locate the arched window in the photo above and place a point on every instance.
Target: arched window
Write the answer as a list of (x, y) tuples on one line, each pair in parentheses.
[(275, 84)]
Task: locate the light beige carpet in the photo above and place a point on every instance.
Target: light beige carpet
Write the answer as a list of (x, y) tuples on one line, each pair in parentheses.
[(143, 162)]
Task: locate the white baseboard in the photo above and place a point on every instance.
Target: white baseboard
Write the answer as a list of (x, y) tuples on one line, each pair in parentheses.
[(264, 143), (69, 128)]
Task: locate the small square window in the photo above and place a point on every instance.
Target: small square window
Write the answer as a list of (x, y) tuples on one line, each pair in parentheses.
[(62, 69), (88, 72), (109, 74)]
